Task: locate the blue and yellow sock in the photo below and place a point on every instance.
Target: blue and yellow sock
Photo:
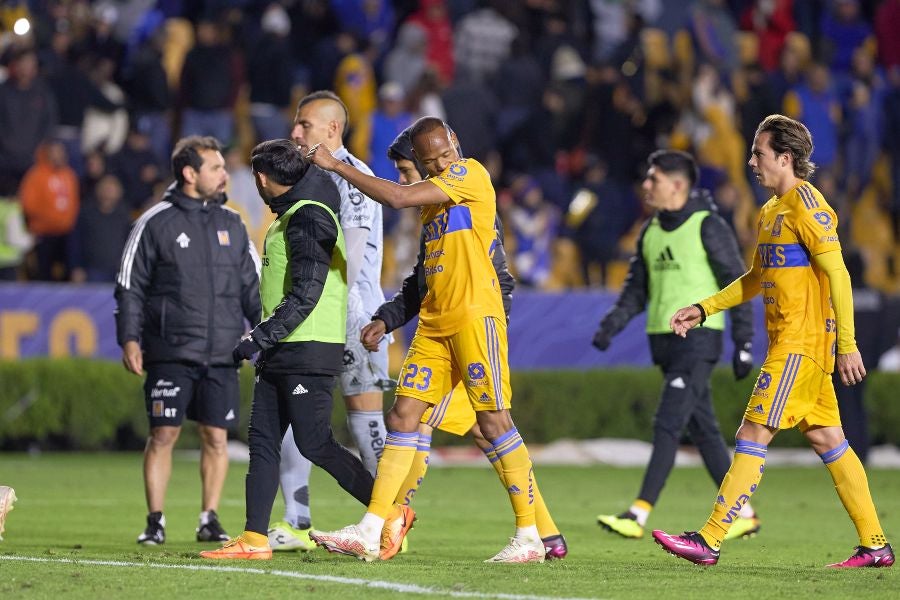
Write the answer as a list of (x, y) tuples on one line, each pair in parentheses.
[(517, 475), (393, 467), (738, 485), (417, 470), (852, 487)]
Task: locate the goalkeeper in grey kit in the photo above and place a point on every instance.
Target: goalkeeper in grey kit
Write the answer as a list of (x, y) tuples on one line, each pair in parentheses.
[(683, 249)]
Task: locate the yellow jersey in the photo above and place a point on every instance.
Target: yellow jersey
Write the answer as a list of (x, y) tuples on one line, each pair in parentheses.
[(796, 293), (459, 238)]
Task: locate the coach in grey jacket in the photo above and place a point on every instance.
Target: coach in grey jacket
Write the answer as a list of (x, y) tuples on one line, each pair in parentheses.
[(187, 282)]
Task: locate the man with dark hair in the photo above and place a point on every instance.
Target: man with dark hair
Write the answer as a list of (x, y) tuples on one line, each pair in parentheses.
[(303, 289), (453, 414), (799, 270), (187, 281), (322, 119), (461, 336), (683, 248)]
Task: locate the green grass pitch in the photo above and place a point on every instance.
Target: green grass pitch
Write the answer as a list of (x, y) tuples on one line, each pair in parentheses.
[(72, 536)]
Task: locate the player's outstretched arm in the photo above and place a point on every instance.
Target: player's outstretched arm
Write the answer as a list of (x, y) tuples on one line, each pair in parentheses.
[(380, 190), (685, 318)]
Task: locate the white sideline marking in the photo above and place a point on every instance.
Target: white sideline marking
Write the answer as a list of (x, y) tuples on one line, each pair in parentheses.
[(405, 588)]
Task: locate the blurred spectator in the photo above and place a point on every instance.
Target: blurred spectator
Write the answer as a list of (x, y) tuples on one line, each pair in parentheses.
[(533, 223), (842, 31), (15, 241), (136, 167), (211, 78), (270, 73), (28, 116), (406, 63), (481, 41), (863, 144), (370, 21), (887, 32), (471, 110), (714, 29), (147, 86), (434, 20), (354, 83), (50, 201), (104, 128), (892, 139), (608, 26), (388, 122), (67, 75), (815, 102), (600, 213), (96, 243), (771, 21)]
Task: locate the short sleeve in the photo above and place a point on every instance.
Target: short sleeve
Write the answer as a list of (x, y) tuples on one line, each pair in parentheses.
[(462, 181)]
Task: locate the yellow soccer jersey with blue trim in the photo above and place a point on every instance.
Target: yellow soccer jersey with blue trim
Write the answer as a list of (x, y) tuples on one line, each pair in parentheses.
[(796, 293), (459, 239)]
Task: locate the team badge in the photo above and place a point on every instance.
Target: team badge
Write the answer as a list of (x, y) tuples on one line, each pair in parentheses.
[(224, 238), (157, 408), (776, 227)]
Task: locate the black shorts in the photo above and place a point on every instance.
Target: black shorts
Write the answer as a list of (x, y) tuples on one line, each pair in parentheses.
[(208, 395)]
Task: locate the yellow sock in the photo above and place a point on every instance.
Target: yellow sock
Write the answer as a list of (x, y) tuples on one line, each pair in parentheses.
[(545, 525), (517, 475), (416, 474), (739, 484), (852, 487), (255, 539), (393, 467)]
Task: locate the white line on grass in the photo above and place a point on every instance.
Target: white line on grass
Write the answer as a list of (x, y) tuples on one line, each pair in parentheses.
[(370, 583)]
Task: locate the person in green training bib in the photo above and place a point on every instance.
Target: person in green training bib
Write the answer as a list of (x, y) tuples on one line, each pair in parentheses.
[(684, 251), (300, 341)]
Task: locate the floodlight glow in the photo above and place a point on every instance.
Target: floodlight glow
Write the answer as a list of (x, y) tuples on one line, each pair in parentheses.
[(21, 26)]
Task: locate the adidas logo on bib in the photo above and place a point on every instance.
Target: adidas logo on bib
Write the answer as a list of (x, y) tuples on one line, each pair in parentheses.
[(299, 390)]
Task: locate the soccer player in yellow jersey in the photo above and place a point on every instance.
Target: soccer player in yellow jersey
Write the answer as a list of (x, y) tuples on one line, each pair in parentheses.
[(461, 335), (799, 270)]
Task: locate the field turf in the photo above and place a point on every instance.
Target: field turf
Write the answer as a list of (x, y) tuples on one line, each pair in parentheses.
[(72, 536)]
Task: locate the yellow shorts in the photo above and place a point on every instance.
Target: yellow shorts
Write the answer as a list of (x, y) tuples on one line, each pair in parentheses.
[(475, 356), (793, 391), (452, 414)]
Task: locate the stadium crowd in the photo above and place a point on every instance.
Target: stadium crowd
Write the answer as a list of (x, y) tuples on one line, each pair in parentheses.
[(562, 100)]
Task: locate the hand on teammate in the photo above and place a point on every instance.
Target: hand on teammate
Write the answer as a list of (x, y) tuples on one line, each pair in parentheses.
[(372, 334)]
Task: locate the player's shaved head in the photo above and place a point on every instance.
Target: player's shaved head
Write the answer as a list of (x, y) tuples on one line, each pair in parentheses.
[(427, 125), (328, 105)]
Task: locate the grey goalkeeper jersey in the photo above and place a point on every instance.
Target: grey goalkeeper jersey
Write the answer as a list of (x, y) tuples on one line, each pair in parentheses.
[(358, 210)]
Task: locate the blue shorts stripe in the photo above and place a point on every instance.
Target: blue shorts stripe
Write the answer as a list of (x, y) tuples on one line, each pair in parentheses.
[(792, 366), (835, 453), (497, 371), (438, 412), (491, 338)]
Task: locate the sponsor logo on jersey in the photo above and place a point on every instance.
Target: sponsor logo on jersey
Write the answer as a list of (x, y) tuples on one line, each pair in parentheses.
[(758, 409), (666, 261), (183, 240), (823, 219), (484, 398)]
